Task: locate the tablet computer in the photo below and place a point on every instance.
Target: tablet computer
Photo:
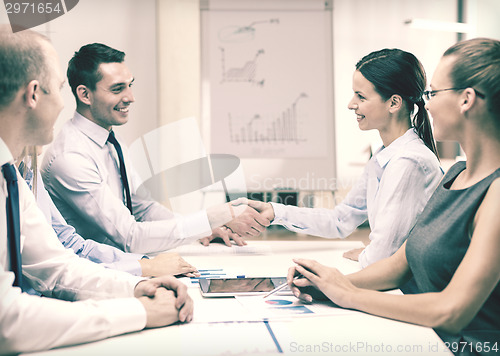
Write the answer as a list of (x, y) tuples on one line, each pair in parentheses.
[(231, 287)]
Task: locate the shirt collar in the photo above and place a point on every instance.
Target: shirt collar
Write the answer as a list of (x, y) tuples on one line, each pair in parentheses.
[(95, 132), (384, 154), (5, 154)]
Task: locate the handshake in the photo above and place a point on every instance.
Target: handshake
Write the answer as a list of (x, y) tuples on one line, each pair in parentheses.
[(238, 219)]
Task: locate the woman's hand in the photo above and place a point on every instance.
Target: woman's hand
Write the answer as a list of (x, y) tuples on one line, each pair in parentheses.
[(330, 281), (353, 254)]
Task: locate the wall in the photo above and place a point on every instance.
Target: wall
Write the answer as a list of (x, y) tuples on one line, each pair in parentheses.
[(162, 42), (359, 26), (127, 25)]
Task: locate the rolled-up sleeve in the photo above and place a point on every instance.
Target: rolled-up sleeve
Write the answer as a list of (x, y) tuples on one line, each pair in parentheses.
[(329, 223), (403, 191)]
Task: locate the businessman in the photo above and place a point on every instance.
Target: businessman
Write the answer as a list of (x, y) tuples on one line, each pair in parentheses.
[(109, 256), (30, 252), (88, 173)]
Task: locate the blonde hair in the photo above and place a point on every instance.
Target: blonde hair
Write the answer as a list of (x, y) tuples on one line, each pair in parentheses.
[(477, 65), (22, 59)]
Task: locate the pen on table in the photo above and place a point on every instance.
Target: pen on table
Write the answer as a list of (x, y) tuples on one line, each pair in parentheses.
[(281, 286)]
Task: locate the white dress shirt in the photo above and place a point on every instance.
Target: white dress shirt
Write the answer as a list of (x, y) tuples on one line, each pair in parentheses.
[(396, 184), (81, 173), (30, 323), (108, 256)]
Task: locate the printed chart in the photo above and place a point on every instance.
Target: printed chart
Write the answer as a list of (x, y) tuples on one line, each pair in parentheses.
[(245, 73), (283, 128), (268, 84), (286, 307)]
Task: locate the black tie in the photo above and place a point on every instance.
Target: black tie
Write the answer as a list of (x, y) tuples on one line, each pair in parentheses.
[(123, 171), (13, 224)]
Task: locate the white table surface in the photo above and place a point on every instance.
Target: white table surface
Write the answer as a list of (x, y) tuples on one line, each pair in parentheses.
[(221, 326)]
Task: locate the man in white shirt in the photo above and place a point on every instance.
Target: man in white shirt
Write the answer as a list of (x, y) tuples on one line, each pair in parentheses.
[(96, 302), (88, 173)]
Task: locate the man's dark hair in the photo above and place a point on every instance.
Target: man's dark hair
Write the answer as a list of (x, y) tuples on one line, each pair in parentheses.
[(83, 68)]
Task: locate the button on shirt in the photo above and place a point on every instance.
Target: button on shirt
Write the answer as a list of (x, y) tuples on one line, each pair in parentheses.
[(396, 184), (30, 323), (108, 256), (81, 173)]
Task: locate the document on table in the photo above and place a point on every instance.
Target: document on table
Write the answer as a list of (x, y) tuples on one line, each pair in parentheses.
[(220, 310), (197, 248), (286, 307)]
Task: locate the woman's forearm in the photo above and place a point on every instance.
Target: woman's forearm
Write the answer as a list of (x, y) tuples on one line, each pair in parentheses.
[(429, 309), (386, 274)]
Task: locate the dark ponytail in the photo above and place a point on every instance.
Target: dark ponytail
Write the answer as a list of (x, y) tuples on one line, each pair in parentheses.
[(422, 125), (393, 71)]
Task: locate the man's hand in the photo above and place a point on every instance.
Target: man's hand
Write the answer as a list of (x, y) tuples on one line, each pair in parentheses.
[(167, 263), (226, 235), (265, 209), (247, 221), (165, 300), (160, 309), (239, 217)]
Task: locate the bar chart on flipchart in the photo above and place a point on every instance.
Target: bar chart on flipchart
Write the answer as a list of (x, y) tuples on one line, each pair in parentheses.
[(284, 127), (267, 84), (267, 89)]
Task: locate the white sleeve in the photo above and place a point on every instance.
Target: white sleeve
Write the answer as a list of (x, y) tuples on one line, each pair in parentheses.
[(29, 323), (402, 194), (76, 180), (108, 256), (330, 223)]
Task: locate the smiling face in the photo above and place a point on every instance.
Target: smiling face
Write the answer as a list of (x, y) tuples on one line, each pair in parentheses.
[(371, 110), (109, 103)]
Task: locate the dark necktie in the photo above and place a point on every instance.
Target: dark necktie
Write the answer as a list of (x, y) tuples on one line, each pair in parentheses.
[(13, 223), (123, 171)]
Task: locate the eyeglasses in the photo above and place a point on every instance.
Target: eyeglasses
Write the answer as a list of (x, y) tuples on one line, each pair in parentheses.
[(428, 94)]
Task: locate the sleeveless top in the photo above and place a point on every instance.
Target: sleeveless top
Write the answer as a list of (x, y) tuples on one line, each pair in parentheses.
[(438, 243)]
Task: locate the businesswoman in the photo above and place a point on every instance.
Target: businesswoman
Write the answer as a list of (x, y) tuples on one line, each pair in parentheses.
[(452, 252), (401, 175)]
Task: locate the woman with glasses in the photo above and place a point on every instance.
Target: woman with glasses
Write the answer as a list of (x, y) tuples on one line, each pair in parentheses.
[(452, 251), (401, 175)]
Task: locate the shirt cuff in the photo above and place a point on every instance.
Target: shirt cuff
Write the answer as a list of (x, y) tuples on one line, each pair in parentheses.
[(279, 214), (130, 264), (195, 225), (363, 260), (125, 315)]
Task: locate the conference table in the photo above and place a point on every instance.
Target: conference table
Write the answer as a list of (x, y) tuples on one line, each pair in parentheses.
[(242, 326)]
